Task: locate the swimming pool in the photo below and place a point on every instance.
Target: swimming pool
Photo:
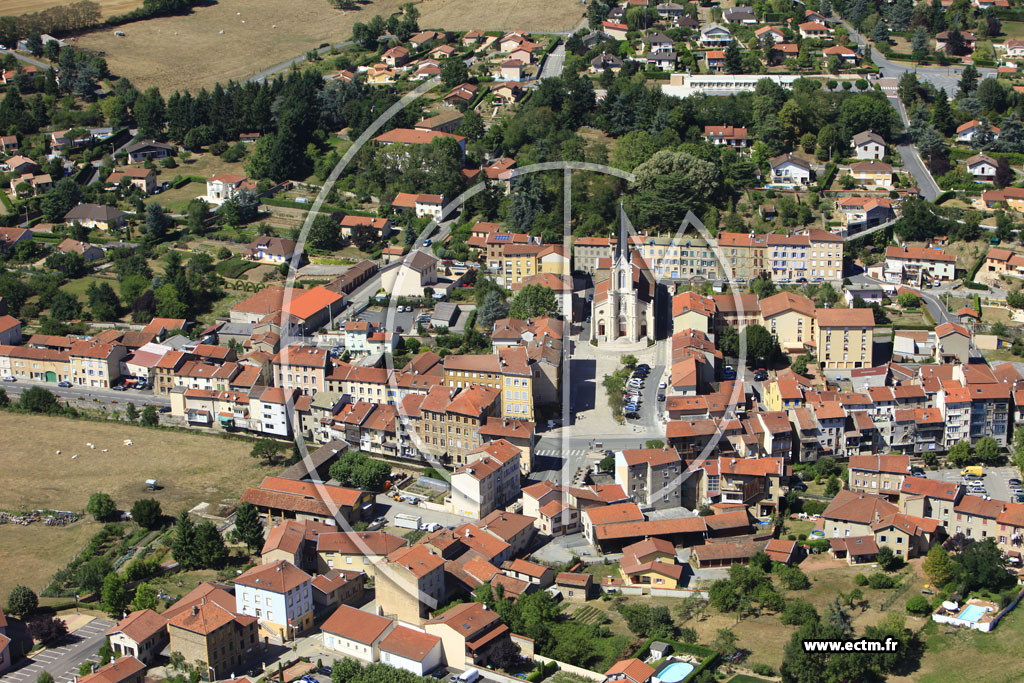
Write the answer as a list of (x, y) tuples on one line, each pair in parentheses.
[(675, 672), (973, 613)]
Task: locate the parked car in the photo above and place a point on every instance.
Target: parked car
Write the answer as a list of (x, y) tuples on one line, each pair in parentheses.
[(632, 416), (8, 378), (164, 409), (663, 384), (1014, 482), (661, 397), (65, 384), (798, 486), (120, 387), (728, 372), (760, 375)]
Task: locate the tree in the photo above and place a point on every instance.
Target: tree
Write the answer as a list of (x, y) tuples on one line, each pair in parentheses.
[(146, 597), (248, 527), (354, 468), (733, 58), (724, 642), (47, 629), (968, 77), (91, 573), (267, 451), (939, 567), (918, 606), (762, 287), (101, 506), (147, 513), (454, 72), (983, 567), (21, 601), (760, 343), (183, 546), (103, 301), (61, 198), (797, 612), (157, 224), (533, 301), (908, 300), (150, 417), (65, 306), (131, 413), (887, 559), (833, 486), (39, 400), (799, 366), (960, 453), (800, 665), (324, 234), (492, 309), (115, 596), (919, 43), (986, 451), (210, 550), (729, 343)]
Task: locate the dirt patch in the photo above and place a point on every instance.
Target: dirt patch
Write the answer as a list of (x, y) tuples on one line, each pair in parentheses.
[(235, 39)]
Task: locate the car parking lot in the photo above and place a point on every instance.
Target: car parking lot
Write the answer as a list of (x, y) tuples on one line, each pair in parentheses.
[(646, 410), (996, 480), (404, 319)]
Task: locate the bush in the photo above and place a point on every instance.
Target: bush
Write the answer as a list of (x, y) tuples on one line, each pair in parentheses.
[(882, 581), (763, 670), (860, 580), (918, 606), (101, 506)]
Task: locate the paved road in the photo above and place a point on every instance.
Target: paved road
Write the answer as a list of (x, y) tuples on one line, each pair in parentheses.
[(26, 59), (554, 63), (945, 77), (63, 660), (912, 160), (139, 398), (266, 73)]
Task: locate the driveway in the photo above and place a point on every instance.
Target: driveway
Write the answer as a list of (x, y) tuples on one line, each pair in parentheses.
[(63, 659)]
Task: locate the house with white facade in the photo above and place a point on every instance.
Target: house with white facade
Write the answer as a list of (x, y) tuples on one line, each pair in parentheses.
[(868, 145), (280, 595)]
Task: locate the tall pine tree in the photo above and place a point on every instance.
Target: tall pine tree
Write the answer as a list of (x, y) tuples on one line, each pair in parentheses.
[(248, 528), (183, 547)]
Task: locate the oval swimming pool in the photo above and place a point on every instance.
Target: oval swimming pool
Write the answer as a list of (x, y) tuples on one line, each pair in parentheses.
[(675, 672)]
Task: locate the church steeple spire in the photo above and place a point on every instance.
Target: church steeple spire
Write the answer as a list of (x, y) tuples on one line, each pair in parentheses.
[(622, 246)]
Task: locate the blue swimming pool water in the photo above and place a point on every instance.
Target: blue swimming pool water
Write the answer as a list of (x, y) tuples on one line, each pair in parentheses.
[(675, 672), (973, 613)]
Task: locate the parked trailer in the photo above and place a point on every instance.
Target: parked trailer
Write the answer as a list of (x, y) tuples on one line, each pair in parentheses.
[(403, 521)]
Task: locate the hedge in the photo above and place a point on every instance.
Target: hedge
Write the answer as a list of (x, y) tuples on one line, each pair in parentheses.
[(7, 202), (830, 174), (234, 267), (975, 268), (975, 285), (944, 196)]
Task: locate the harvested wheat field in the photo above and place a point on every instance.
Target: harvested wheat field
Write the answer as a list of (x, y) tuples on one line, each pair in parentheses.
[(108, 8), (190, 468), (236, 39)]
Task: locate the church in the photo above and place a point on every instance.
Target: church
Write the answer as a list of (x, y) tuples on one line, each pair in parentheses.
[(624, 295)]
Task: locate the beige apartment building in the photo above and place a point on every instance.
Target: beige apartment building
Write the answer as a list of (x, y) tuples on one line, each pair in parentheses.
[(744, 253), (844, 337), (790, 319), (410, 585), (880, 474)]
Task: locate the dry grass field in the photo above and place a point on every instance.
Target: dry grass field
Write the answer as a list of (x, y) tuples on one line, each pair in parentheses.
[(191, 468), (236, 39), (31, 554), (108, 8)]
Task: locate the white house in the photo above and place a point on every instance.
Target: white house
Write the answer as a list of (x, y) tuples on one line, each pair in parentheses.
[(1014, 48), (411, 649), (909, 261), (868, 145), (790, 170), (224, 186), (982, 168), (355, 633), (280, 595), (965, 132), (715, 35)]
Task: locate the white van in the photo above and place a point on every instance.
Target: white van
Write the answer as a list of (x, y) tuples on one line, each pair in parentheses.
[(469, 676)]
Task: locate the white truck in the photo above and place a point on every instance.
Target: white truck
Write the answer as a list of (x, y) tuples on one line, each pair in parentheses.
[(403, 521)]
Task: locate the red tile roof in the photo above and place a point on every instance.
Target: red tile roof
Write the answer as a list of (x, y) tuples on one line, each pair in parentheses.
[(353, 624)]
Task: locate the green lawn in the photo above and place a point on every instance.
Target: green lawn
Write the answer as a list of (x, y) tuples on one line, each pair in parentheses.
[(78, 286), (600, 570), (176, 200), (992, 657), (744, 678)]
